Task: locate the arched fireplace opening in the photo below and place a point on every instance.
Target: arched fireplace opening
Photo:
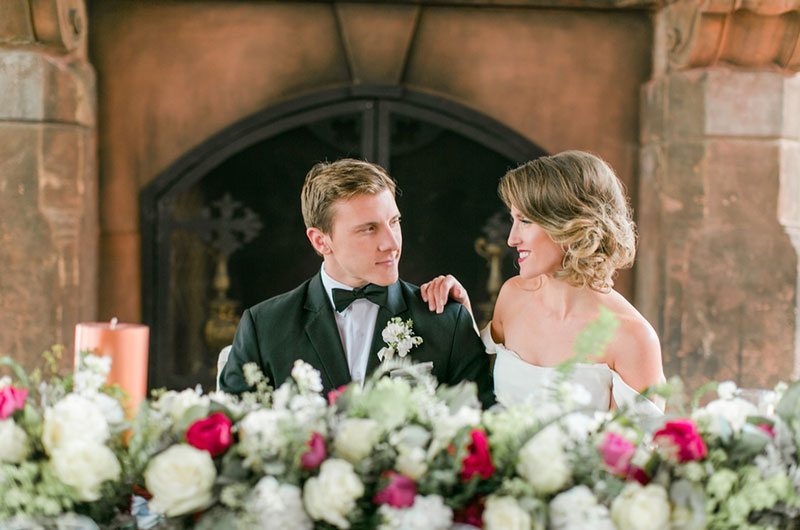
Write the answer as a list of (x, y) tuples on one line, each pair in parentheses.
[(222, 229)]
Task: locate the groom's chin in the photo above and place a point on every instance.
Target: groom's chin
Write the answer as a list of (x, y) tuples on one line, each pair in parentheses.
[(385, 278)]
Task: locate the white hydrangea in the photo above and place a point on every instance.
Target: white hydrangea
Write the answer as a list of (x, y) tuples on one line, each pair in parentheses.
[(735, 411), (505, 513), (356, 438), (74, 418), (543, 461), (727, 390), (447, 424), (110, 407), (427, 513), (640, 507), (260, 434), (332, 495), (277, 506), (92, 373), (309, 410), (576, 509), (579, 425), (14, 444), (85, 466), (306, 377), (175, 404)]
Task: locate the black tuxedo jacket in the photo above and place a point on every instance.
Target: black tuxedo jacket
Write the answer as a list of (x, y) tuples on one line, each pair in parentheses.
[(300, 324)]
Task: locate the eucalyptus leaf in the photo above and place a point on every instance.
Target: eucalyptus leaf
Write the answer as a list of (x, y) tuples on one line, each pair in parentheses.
[(789, 405)]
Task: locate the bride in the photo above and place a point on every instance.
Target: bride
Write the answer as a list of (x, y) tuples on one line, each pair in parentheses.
[(572, 229)]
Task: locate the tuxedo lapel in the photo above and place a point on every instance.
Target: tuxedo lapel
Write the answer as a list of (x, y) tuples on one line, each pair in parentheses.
[(394, 306), (324, 335)]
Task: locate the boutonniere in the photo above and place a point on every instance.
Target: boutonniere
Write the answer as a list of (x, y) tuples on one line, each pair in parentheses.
[(399, 338)]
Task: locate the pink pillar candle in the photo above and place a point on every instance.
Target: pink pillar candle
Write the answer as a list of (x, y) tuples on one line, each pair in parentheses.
[(127, 345)]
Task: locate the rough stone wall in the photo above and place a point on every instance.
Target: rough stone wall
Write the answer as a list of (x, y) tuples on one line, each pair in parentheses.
[(720, 192), (48, 190)]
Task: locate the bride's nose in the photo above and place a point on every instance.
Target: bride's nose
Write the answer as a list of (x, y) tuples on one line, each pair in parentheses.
[(513, 237)]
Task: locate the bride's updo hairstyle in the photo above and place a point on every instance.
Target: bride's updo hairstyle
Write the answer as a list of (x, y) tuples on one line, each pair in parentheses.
[(579, 202)]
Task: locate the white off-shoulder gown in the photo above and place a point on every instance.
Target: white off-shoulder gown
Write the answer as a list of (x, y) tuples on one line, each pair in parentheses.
[(517, 381)]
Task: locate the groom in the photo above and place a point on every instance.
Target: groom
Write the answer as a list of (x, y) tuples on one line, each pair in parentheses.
[(334, 320)]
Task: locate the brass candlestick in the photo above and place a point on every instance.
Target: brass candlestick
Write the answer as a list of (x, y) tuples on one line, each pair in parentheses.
[(492, 248), (492, 253)]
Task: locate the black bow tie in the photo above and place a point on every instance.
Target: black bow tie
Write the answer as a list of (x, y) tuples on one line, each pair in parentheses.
[(376, 294)]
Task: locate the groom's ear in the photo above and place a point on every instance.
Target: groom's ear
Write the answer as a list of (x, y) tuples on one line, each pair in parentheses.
[(318, 240)]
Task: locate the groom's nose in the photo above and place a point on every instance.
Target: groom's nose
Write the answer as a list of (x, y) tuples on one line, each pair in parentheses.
[(390, 239)]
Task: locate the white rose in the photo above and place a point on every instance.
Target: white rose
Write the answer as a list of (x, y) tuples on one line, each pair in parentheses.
[(14, 444), (641, 508), (177, 403), (543, 461), (576, 509), (85, 466), (411, 462), (505, 513), (74, 418), (332, 494), (180, 480), (356, 438), (278, 506)]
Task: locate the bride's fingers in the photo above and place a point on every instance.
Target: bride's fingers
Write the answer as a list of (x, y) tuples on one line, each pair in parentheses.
[(443, 292)]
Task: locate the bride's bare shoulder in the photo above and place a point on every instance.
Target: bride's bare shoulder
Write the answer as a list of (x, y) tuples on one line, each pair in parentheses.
[(636, 348)]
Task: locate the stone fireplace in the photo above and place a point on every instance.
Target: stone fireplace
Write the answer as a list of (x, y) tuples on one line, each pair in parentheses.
[(204, 111)]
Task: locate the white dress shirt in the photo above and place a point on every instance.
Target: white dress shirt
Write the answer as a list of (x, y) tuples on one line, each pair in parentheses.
[(356, 326)]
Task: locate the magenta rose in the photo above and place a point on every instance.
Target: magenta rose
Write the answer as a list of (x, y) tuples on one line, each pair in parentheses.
[(682, 440), (12, 399), (212, 434), (617, 452), (478, 460), (333, 395), (399, 492), (316, 453)]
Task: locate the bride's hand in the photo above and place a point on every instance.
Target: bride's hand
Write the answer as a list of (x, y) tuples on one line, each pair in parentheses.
[(437, 291)]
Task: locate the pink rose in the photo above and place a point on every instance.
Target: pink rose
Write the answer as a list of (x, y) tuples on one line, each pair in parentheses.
[(12, 399), (333, 395), (617, 453), (316, 453), (767, 428), (212, 434), (682, 440), (478, 460), (399, 492)]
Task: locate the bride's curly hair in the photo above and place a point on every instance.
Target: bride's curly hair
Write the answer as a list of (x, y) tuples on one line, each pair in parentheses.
[(580, 203)]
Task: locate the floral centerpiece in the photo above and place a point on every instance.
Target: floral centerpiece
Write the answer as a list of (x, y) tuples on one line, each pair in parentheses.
[(61, 442)]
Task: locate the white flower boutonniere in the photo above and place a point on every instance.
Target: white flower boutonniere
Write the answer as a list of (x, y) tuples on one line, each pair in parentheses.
[(399, 338)]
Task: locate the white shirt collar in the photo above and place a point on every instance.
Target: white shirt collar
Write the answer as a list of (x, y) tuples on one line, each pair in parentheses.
[(330, 284)]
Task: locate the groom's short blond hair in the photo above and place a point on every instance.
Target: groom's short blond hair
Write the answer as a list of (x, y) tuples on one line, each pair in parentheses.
[(329, 182)]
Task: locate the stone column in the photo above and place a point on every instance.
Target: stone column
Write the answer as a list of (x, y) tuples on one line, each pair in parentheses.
[(48, 183), (720, 191)]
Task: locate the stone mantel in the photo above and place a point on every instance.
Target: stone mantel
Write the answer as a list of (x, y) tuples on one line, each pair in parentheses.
[(755, 34)]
